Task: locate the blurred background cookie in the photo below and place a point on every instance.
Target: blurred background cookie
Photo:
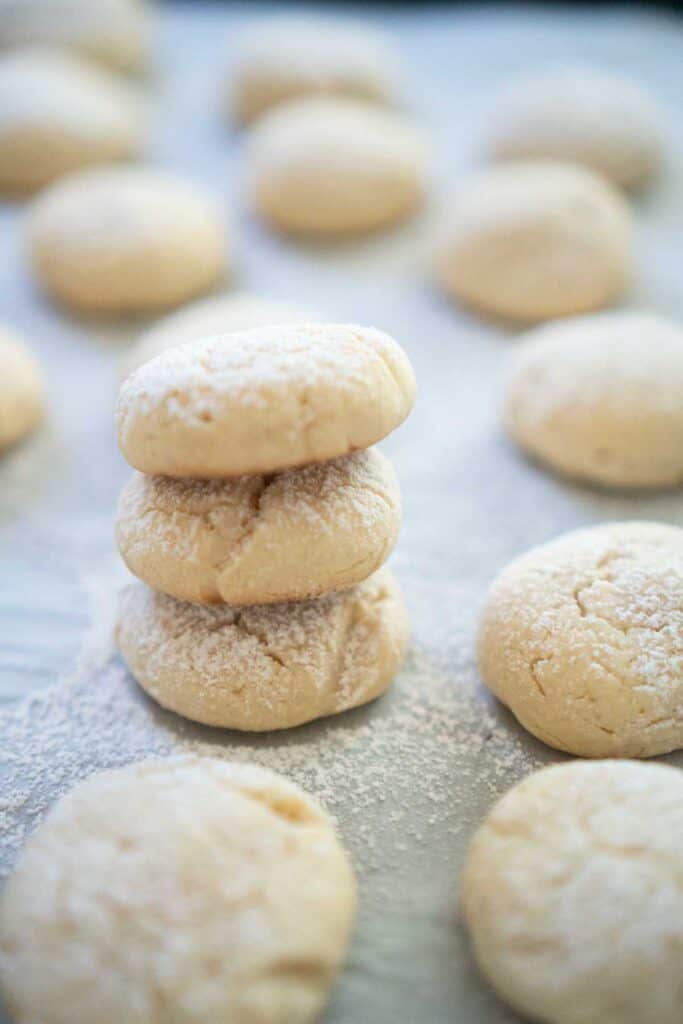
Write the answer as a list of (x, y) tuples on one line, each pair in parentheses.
[(282, 58), (530, 241), (21, 389), (119, 241), (59, 113), (601, 398), (115, 32), (582, 115), (328, 166)]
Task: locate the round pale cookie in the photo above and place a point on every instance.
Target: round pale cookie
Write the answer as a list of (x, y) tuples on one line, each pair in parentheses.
[(114, 32), (582, 115), (530, 241), (573, 894), (21, 389), (262, 400), (126, 240), (268, 666), (190, 889), (332, 167), (280, 59), (216, 315), (601, 398), (260, 539), (582, 638), (59, 113)]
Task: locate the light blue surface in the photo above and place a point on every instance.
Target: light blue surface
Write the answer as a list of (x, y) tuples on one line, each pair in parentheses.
[(470, 502)]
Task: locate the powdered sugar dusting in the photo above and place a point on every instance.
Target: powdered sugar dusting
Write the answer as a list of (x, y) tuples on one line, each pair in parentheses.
[(195, 377), (400, 775), (265, 666), (287, 536)]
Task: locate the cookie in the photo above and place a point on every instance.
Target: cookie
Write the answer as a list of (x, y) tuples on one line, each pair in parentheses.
[(125, 240), (113, 32), (21, 389), (59, 113), (600, 398), (581, 115), (189, 888), (261, 539), (531, 241), (268, 666), (331, 167), (582, 638), (216, 315), (280, 59), (572, 894), (263, 400)]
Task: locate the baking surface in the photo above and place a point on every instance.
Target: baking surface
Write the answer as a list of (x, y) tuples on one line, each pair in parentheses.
[(409, 777)]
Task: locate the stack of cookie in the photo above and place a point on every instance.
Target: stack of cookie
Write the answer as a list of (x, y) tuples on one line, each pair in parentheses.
[(258, 521)]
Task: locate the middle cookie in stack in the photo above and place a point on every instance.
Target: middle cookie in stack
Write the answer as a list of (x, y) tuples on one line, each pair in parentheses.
[(255, 489)]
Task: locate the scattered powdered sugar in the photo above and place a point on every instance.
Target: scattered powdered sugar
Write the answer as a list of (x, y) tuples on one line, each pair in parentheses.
[(405, 777)]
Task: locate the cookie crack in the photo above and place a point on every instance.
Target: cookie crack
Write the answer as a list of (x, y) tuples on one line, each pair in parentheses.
[(533, 669), (249, 527), (240, 624)]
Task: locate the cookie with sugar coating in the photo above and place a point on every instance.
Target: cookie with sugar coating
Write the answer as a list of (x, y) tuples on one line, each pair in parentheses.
[(59, 113), (583, 115), (267, 666), (216, 889), (572, 894), (332, 167), (261, 539), (582, 638), (215, 315), (280, 59), (263, 400), (125, 240), (531, 241), (113, 32), (601, 398), (21, 389)]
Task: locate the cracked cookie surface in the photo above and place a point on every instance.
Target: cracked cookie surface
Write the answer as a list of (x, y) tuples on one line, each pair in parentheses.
[(228, 896), (261, 539), (266, 666), (582, 638), (573, 894)]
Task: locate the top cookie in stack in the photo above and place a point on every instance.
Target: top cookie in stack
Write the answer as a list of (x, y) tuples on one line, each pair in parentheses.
[(259, 519), (259, 486)]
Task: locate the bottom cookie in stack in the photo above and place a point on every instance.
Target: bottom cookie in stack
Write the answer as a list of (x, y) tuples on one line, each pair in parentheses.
[(265, 667)]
